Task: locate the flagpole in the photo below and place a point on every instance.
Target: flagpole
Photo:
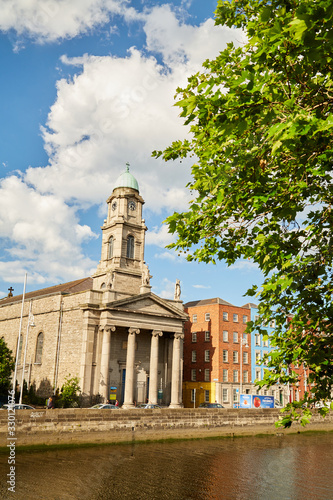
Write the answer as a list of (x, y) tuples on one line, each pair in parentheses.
[(19, 337), (30, 323)]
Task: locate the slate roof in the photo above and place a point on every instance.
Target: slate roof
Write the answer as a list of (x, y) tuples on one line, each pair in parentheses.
[(204, 302), (80, 285)]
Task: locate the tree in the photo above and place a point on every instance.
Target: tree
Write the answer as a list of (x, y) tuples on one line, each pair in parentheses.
[(261, 126), (7, 364), (70, 392)]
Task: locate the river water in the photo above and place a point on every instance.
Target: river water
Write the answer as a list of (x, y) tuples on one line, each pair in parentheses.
[(250, 468)]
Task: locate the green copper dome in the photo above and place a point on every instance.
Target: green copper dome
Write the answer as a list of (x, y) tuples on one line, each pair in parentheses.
[(126, 180)]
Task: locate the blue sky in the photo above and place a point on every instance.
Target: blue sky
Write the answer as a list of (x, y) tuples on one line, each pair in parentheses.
[(88, 85)]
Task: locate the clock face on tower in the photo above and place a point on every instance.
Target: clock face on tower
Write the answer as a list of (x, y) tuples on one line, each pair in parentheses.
[(131, 205), (114, 205)]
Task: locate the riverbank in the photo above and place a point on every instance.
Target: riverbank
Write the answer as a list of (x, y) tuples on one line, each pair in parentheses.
[(86, 426)]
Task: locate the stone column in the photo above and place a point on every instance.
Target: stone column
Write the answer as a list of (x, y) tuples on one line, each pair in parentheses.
[(175, 376), (130, 358), (153, 382), (105, 360)]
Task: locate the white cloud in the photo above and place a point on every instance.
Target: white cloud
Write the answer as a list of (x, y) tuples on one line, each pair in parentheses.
[(120, 109), (50, 20), (244, 265), (166, 256), (202, 287), (182, 44), (103, 118), (159, 236), (114, 110), (167, 289), (40, 232)]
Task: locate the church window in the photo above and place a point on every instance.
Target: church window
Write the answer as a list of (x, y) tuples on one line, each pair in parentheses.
[(20, 350), (110, 248), (39, 348), (130, 247)]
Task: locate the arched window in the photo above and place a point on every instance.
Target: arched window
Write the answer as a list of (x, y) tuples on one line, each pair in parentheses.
[(110, 248), (19, 354), (130, 247), (39, 348)]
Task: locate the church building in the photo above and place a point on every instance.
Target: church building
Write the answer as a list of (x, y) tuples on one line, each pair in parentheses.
[(109, 329)]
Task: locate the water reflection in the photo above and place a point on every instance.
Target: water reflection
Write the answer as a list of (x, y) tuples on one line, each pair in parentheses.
[(281, 468)]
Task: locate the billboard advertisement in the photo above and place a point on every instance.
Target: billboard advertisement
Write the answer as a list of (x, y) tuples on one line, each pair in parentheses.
[(113, 394), (262, 402), (245, 401), (248, 401)]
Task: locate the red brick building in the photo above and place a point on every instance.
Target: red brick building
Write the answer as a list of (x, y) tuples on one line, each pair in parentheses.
[(217, 353)]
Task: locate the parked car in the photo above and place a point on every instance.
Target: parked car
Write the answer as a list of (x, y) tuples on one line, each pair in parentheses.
[(104, 406), (17, 406), (148, 406), (323, 404), (210, 405), (277, 404)]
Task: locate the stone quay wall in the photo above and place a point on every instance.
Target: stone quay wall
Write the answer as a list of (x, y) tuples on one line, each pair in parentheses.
[(82, 426)]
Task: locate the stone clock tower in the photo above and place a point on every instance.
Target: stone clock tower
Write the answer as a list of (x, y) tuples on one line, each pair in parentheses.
[(122, 268)]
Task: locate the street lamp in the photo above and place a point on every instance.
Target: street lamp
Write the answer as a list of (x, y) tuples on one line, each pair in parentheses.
[(243, 342)]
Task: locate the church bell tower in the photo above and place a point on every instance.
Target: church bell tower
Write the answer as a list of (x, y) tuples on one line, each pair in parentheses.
[(122, 267)]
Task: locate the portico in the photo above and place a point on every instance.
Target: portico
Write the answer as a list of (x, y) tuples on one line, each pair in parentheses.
[(138, 349)]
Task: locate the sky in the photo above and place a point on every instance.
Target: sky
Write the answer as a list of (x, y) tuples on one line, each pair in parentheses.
[(87, 86)]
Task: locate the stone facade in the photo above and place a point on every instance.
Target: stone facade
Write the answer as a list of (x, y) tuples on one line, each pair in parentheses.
[(109, 330)]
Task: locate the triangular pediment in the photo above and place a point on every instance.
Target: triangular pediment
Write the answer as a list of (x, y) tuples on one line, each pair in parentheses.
[(149, 304)]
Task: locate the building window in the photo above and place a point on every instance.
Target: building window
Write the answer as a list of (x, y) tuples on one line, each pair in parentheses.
[(258, 357), (225, 356), (235, 337), (130, 247), (207, 336), (207, 356), (258, 374), (110, 247), (245, 377), (207, 317), (265, 342), (235, 395), (225, 395), (207, 374), (225, 316), (272, 323), (256, 317), (244, 338), (225, 336), (235, 356), (245, 357), (244, 319), (257, 339), (225, 375), (206, 396), (194, 336), (39, 348), (235, 376), (194, 318), (235, 318), (193, 375), (194, 356), (20, 351)]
